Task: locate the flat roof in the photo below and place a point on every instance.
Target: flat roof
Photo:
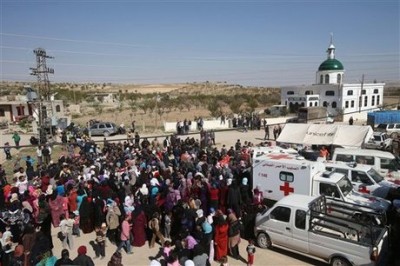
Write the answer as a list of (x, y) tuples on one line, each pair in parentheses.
[(344, 165), (332, 178), (297, 200), (364, 152)]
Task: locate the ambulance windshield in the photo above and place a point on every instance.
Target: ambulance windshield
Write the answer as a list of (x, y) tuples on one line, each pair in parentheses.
[(345, 186), (375, 175)]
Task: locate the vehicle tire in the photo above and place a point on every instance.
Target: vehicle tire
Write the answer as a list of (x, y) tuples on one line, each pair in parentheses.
[(264, 241), (106, 134), (339, 261)]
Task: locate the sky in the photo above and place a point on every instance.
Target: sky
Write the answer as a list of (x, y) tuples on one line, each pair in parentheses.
[(252, 43)]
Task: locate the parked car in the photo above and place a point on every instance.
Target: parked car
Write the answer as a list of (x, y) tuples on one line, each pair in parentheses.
[(103, 129), (393, 130), (380, 141)]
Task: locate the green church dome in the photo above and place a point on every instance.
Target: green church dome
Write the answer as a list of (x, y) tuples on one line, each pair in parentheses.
[(330, 64)]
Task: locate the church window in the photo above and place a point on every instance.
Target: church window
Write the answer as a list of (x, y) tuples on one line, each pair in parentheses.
[(58, 108), (330, 93), (363, 92), (316, 104), (376, 91), (339, 78), (373, 100), (349, 92), (352, 104), (378, 98), (321, 79), (2, 112), (309, 92), (290, 93), (365, 101), (310, 104), (346, 104), (334, 105), (302, 104), (326, 79), (325, 104)]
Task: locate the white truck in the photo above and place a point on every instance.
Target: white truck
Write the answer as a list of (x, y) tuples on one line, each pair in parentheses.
[(306, 225), (281, 174)]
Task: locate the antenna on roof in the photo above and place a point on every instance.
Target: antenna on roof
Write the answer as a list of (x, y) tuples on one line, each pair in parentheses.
[(331, 37)]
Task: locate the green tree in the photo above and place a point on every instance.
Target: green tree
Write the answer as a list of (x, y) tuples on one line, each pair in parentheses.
[(213, 107), (235, 105), (252, 104), (98, 108)]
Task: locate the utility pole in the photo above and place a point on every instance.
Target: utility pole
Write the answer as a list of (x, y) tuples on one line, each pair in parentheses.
[(41, 72)]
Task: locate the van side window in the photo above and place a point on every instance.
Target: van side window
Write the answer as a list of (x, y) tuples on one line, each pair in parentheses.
[(281, 214), (344, 158), (365, 160), (387, 164), (286, 176), (300, 220), (328, 190)]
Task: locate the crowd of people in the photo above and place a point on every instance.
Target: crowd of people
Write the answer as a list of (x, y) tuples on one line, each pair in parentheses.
[(195, 202)]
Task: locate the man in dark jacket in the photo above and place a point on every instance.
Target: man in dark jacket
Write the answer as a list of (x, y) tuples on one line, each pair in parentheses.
[(82, 259), (65, 260)]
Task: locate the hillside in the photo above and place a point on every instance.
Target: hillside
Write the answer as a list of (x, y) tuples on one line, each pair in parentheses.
[(150, 104)]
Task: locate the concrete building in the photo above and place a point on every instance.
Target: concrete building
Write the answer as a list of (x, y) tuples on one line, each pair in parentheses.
[(14, 108), (332, 92)]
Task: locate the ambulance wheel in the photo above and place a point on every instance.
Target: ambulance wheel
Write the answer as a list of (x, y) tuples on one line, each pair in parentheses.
[(264, 241), (339, 261)]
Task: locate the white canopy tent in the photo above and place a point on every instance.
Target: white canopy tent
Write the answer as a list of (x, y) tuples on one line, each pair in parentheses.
[(326, 134)]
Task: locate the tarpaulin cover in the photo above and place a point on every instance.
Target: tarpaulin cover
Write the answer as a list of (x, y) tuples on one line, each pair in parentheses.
[(326, 134)]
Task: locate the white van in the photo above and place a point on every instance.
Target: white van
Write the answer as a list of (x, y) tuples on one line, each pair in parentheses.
[(307, 225), (384, 162)]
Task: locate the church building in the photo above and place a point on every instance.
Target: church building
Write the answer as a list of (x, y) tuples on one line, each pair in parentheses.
[(330, 91)]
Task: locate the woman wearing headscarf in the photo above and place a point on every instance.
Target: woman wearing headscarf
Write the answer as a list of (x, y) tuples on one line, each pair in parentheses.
[(56, 205), (154, 225), (234, 235), (221, 236), (44, 218), (139, 221), (86, 213)]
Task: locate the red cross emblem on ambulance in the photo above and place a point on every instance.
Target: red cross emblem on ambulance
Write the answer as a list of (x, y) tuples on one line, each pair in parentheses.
[(286, 189), (363, 189)]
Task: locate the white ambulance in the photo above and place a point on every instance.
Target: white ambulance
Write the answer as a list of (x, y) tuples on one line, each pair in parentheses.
[(384, 162), (364, 178), (279, 175)]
